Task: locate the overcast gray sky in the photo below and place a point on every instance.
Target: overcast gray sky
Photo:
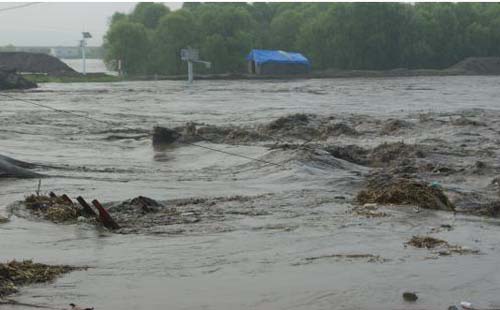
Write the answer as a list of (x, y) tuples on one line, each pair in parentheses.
[(50, 23)]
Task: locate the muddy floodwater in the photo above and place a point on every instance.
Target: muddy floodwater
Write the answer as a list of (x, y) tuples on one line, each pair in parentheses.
[(272, 237)]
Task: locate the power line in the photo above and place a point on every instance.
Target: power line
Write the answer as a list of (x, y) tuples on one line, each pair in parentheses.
[(19, 6), (61, 111), (233, 154), (126, 127)]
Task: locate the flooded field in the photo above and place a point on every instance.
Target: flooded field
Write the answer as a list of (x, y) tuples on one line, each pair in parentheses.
[(243, 234)]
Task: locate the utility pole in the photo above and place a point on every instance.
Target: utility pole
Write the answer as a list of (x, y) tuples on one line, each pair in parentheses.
[(190, 71), (83, 44)]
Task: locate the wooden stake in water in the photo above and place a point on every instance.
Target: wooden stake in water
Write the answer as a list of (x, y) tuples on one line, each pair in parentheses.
[(39, 185)]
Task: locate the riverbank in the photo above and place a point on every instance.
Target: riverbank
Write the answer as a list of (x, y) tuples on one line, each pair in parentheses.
[(473, 66), (89, 78), (9, 79)]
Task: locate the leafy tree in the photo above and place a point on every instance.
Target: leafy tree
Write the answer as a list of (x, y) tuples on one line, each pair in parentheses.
[(331, 35), (284, 30), (117, 17), (176, 31), (128, 42), (149, 14)]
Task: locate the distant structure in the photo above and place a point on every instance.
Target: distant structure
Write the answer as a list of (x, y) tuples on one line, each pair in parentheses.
[(65, 52), (191, 55), (83, 46), (272, 62), (32, 49), (62, 52)]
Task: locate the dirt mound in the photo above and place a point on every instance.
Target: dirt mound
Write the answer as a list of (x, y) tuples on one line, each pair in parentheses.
[(10, 80), (14, 273), (478, 65), (35, 63), (388, 190)]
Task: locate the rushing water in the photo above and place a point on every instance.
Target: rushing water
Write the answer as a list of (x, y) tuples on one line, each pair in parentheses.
[(251, 262)]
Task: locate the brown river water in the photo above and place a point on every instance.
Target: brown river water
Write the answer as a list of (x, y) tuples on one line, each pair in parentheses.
[(293, 244)]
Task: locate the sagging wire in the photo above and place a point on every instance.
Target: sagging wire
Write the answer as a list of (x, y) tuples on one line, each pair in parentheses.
[(126, 127)]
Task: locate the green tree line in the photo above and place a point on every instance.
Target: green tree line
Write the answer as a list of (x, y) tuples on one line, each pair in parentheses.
[(332, 35)]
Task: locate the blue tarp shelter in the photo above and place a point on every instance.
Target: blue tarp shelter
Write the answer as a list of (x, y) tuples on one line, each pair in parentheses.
[(277, 62)]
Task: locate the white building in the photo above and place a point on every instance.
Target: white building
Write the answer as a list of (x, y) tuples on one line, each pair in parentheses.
[(65, 52)]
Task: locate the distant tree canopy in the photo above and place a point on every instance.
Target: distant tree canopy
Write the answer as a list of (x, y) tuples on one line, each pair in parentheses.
[(331, 35)]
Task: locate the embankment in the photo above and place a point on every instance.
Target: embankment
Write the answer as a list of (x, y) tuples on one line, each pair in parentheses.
[(35, 63), (468, 66), (9, 79)]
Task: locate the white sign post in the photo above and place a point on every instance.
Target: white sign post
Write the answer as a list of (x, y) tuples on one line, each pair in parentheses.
[(192, 55)]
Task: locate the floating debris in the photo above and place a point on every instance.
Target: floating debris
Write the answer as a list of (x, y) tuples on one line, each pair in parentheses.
[(442, 247), (61, 209), (14, 274), (145, 215), (426, 242), (3, 220), (400, 191), (54, 209), (368, 210), (75, 307), (442, 227), (410, 296), (164, 136), (370, 258)]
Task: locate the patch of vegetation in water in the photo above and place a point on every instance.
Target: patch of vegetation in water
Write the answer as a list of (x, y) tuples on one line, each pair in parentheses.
[(402, 191), (18, 273), (54, 209)]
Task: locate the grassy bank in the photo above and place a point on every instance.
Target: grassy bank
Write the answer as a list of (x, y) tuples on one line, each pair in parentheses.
[(469, 66), (90, 78)]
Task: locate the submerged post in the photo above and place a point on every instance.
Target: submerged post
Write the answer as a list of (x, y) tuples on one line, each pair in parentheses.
[(190, 71)]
